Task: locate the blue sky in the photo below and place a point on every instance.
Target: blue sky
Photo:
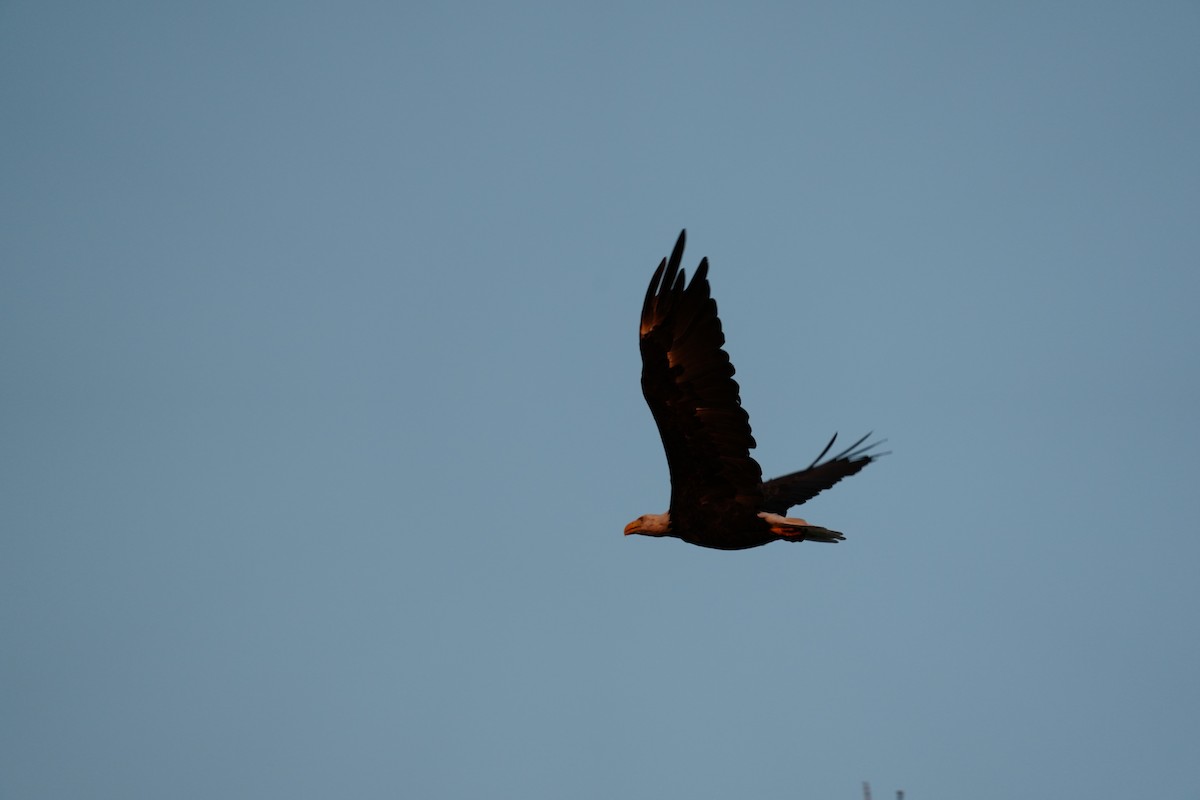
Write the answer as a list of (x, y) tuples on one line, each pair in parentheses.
[(322, 418)]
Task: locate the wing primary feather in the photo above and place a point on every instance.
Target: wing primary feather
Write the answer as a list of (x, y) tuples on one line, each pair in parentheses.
[(677, 251), (648, 305), (671, 279), (823, 452), (853, 450), (680, 282)]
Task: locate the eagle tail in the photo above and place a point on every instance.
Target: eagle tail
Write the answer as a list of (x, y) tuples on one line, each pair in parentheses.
[(794, 529)]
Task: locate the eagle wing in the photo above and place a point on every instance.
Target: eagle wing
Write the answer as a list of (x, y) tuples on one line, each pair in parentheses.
[(687, 379), (780, 494)]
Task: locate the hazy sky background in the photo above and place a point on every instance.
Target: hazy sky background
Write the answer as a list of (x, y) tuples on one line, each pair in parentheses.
[(321, 416)]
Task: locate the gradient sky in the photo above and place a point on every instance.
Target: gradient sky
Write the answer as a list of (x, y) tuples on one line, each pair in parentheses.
[(321, 417)]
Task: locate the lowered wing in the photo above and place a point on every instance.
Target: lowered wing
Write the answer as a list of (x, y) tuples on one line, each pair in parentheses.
[(782, 493)]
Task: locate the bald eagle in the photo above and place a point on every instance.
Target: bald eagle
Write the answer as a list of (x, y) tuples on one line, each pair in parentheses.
[(718, 496)]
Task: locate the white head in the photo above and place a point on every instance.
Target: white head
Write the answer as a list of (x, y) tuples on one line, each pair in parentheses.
[(650, 525)]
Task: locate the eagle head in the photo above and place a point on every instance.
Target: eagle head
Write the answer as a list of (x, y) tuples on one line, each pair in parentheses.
[(650, 525)]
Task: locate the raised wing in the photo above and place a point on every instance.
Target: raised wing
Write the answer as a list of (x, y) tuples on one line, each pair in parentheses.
[(782, 493), (687, 379)]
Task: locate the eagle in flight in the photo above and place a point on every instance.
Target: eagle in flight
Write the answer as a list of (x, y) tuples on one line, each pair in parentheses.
[(718, 496)]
